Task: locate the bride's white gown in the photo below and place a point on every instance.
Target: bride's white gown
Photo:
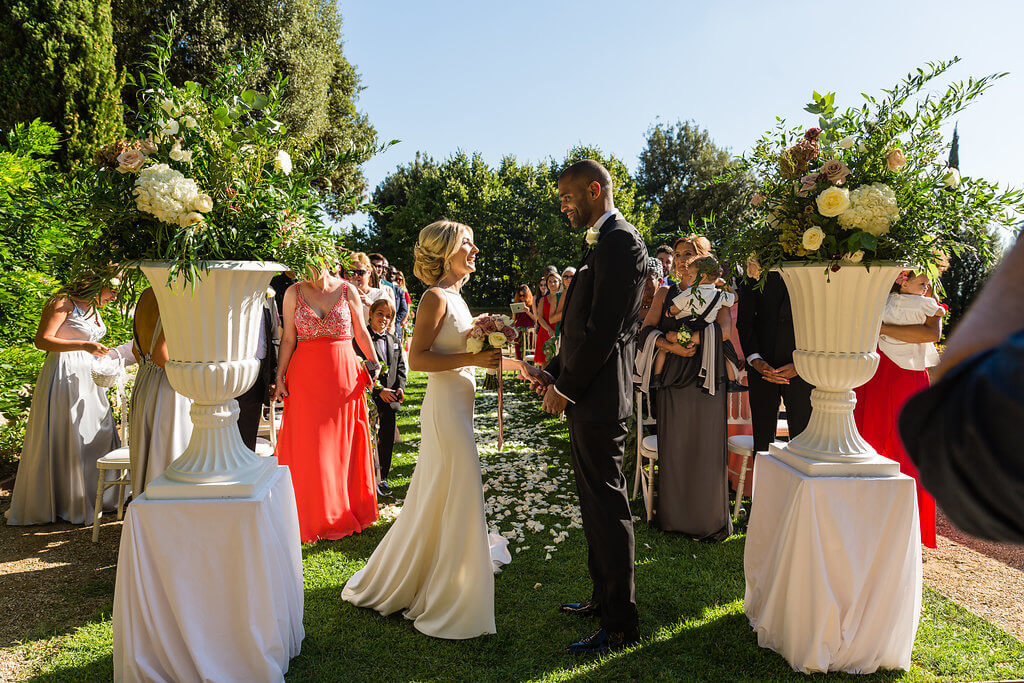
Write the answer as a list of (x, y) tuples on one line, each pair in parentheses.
[(435, 561)]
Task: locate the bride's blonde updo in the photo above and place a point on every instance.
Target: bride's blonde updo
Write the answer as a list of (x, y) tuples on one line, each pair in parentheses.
[(437, 244)]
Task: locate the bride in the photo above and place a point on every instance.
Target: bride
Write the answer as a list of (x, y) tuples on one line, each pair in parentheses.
[(435, 562)]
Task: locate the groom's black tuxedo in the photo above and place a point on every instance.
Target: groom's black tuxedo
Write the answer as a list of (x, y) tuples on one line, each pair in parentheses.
[(593, 369)]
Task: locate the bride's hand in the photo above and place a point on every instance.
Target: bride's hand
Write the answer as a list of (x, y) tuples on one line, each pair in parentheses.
[(489, 359)]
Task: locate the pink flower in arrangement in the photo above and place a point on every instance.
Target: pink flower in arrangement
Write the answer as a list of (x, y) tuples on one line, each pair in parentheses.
[(757, 199), (895, 159), (835, 171), (809, 208), (510, 333), (489, 326), (477, 332), (812, 133), (807, 183), (231, 192)]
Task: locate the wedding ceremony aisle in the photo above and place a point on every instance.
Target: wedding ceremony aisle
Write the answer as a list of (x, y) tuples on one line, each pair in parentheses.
[(57, 591)]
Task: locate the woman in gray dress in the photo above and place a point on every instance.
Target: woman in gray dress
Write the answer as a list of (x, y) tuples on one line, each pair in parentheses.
[(70, 425), (159, 426), (693, 488)]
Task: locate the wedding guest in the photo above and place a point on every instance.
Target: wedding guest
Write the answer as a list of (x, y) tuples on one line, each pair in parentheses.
[(159, 426), (252, 402), (911, 324), (764, 320), (665, 255), (70, 424), (567, 275), (280, 284), (363, 277), (693, 488), (325, 431), (542, 287), (389, 392), (548, 314), (524, 320), (383, 270), (400, 322), (655, 275), (963, 432)]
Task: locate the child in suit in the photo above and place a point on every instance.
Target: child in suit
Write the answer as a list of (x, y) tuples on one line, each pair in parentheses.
[(389, 392)]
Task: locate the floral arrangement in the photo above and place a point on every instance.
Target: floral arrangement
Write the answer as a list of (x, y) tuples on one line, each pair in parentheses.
[(869, 183), (492, 332), (208, 171)]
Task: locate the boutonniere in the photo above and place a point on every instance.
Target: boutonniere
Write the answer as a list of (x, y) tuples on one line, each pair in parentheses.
[(592, 234)]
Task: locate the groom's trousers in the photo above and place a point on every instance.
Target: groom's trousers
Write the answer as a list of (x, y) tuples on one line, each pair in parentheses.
[(597, 452)]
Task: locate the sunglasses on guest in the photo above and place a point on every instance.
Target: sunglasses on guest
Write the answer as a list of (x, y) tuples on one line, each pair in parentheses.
[(360, 271)]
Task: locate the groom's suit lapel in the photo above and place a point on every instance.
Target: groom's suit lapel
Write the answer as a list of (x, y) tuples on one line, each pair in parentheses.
[(605, 227)]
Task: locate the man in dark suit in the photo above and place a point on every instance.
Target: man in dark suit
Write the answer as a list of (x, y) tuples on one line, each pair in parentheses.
[(389, 393), (764, 321), (250, 404), (590, 379)]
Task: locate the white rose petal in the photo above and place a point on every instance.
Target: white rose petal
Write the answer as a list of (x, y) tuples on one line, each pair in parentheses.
[(847, 142), (855, 257)]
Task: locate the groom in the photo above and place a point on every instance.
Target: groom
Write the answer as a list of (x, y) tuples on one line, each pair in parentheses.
[(590, 379)]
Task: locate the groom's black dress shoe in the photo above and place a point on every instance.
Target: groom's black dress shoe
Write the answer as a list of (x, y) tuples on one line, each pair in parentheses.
[(602, 640), (581, 609)]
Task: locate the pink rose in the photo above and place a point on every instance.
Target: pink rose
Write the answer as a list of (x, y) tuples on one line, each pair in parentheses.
[(147, 146), (477, 333), (835, 170), (489, 325), (130, 161), (231, 192), (895, 159), (812, 133), (807, 183), (757, 199), (510, 333)]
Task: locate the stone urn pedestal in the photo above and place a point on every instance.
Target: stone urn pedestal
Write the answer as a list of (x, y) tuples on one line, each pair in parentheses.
[(836, 318), (212, 326)]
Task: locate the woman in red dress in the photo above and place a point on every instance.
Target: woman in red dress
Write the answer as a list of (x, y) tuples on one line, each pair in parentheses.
[(325, 430), (911, 323), (549, 316)]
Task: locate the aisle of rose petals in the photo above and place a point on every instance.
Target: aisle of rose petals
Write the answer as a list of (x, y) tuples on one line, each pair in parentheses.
[(527, 486)]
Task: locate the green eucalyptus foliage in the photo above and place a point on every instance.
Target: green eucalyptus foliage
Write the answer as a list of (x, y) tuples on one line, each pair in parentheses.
[(301, 40), (513, 210), (57, 65)]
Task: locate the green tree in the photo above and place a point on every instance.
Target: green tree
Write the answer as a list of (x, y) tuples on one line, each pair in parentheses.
[(302, 40), (677, 173), (513, 209), (57, 64)]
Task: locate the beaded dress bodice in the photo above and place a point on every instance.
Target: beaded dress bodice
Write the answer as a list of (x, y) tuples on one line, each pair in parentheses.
[(337, 324)]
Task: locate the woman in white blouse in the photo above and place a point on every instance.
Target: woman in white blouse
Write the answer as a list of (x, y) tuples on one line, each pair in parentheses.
[(364, 278)]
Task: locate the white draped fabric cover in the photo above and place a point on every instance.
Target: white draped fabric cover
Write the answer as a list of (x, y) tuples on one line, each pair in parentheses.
[(833, 569), (209, 590)]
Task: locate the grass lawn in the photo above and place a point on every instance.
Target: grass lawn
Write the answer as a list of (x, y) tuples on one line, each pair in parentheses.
[(690, 595)]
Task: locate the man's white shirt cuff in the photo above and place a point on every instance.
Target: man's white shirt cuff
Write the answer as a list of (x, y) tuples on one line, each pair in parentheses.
[(563, 395)]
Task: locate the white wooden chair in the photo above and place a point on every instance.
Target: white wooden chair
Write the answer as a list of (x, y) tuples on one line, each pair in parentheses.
[(118, 461), (269, 424), (646, 453)]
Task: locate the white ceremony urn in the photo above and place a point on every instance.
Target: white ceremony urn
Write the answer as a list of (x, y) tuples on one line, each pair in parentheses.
[(212, 327), (836, 317)]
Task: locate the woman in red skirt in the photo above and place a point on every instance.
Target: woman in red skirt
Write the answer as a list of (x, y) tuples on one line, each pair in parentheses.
[(325, 430), (911, 324)]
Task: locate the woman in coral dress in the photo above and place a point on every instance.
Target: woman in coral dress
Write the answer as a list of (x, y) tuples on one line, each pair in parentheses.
[(325, 431)]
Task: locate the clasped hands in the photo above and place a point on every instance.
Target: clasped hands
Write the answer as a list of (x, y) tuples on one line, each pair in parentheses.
[(779, 375), (544, 384)]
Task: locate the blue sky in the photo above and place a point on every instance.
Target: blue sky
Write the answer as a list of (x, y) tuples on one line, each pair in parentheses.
[(534, 78)]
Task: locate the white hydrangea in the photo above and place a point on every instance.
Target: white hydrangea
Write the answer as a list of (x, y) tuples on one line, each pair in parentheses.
[(169, 195), (872, 209)]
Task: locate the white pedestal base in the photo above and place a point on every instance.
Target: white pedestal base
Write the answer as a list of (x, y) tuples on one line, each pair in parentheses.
[(875, 466), (164, 488), (833, 569), (209, 590)]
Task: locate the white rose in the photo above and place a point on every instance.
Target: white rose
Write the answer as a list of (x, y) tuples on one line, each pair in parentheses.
[(951, 178), (283, 162), (168, 106), (190, 122), (812, 239), (833, 201), (474, 345), (855, 257), (203, 202), (497, 339), (176, 154), (847, 142), (169, 127)]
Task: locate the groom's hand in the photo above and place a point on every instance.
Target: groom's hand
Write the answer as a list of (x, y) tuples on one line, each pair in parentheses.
[(538, 379), (554, 402)]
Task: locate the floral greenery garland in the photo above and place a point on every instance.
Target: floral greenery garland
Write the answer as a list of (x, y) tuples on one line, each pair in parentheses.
[(210, 172), (870, 184)]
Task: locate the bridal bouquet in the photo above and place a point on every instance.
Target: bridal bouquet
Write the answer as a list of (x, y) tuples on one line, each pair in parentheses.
[(870, 183), (492, 332)]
